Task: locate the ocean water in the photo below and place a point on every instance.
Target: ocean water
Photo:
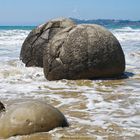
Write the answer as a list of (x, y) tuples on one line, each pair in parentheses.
[(95, 109)]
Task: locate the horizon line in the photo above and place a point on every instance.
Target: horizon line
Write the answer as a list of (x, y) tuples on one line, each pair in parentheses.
[(36, 24)]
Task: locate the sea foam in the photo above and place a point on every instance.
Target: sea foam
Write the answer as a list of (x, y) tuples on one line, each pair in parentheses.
[(103, 106)]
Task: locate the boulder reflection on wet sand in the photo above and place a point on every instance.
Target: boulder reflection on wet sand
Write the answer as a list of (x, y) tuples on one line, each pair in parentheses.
[(2, 108), (30, 117)]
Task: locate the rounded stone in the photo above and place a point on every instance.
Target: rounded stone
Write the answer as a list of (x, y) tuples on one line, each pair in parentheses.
[(83, 52), (32, 49), (30, 117)]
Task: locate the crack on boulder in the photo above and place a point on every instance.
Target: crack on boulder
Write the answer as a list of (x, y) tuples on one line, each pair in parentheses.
[(38, 37), (55, 57), (58, 51), (81, 52)]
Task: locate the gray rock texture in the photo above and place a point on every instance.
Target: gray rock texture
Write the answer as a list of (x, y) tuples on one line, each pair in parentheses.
[(83, 52), (30, 117), (32, 49)]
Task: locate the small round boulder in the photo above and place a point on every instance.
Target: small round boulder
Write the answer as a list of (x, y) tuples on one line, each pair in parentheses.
[(32, 49), (30, 117), (83, 52)]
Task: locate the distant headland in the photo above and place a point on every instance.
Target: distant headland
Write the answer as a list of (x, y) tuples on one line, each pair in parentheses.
[(108, 22)]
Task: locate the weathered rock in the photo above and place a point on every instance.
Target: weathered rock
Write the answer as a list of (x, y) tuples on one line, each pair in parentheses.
[(2, 108), (32, 49), (30, 117), (83, 52)]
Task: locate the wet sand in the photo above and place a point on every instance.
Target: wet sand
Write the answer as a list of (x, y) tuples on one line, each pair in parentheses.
[(95, 109)]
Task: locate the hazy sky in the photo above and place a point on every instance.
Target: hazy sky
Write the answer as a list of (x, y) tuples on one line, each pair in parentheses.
[(32, 12)]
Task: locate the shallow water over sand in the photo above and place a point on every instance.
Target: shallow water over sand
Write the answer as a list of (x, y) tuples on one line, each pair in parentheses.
[(95, 109)]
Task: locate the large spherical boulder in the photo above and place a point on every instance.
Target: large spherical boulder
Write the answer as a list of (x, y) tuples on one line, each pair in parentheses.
[(83, 52), (30, 117), (32, 49)]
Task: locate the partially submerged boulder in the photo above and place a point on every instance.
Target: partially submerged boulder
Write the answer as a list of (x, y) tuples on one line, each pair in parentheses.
[(30, 117), (32, 49), (83, 52)]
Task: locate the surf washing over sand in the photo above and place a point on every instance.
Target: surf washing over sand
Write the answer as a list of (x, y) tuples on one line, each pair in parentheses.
[(95, 109)]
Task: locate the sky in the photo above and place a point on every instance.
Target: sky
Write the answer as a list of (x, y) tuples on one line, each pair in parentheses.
[(34, 12)]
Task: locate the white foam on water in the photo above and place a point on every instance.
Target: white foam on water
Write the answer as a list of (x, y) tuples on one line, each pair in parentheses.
[(10, 43), (129, 38), (12, 37), (127, 34), (104, 102), (91, 97)]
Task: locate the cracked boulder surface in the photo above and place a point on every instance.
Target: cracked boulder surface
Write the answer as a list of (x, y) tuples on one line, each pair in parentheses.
[(83, 52), (32, 49), (30, 117)]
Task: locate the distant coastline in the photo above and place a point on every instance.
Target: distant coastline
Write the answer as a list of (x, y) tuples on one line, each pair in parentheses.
[(108, 22), (103, 22)]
